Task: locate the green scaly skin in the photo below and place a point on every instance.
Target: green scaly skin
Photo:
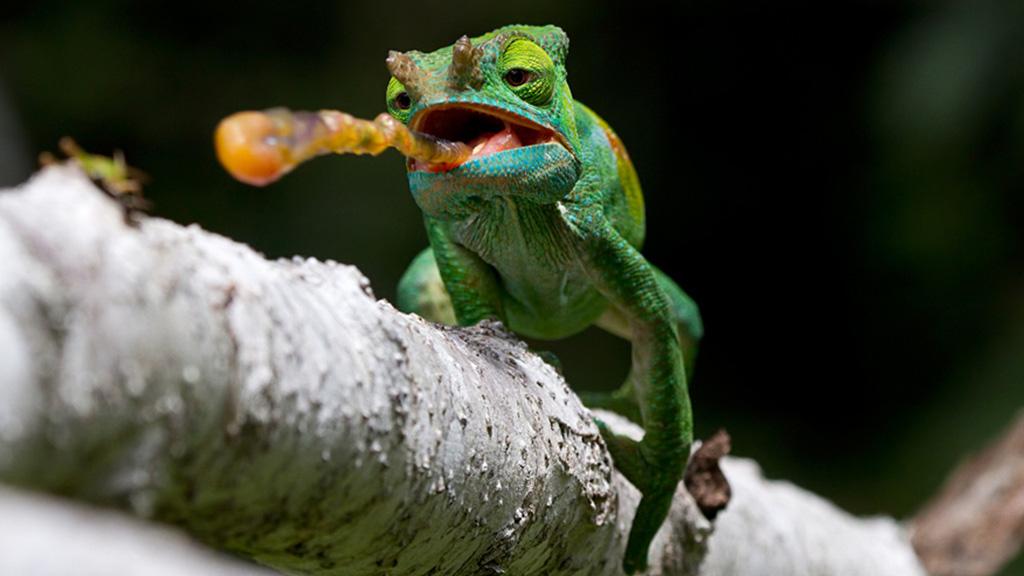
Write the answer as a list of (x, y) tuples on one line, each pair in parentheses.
[(546, 237)]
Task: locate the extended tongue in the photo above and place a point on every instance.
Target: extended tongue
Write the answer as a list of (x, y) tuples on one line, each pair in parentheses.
[(482, 145)]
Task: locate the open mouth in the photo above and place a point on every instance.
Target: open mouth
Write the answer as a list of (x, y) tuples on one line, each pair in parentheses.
[(486, 130)]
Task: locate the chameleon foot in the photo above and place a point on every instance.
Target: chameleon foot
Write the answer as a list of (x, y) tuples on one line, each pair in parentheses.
[(657, 484), (650, 515)]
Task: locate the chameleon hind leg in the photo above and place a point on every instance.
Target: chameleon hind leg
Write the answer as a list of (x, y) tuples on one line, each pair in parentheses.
[(421, 290), (689, 328)]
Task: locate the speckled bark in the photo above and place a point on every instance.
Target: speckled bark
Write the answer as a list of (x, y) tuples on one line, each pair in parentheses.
[(279, 411)]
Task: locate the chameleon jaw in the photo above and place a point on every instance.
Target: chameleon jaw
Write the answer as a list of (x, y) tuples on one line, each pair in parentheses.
[(486, 130), (509, 157)]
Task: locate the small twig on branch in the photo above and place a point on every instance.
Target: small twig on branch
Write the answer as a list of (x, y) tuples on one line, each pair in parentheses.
[(704, 477)]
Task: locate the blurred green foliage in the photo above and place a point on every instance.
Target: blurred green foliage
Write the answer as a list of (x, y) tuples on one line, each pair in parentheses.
[(839, 188)]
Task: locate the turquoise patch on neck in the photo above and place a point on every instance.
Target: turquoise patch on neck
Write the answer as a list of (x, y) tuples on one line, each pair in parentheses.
[(542, 173)]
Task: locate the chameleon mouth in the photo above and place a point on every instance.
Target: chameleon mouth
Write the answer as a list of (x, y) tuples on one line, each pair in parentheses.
[(485, 130)]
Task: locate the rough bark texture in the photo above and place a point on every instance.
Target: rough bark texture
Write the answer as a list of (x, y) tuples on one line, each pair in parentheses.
[(279, 411), (976, 522)]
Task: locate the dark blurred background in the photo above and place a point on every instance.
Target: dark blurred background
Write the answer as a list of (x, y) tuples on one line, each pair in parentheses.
[(838, 185)]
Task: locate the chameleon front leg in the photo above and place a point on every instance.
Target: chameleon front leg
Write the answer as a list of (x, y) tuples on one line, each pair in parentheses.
[(689, 328), (471, 283), (657, 463), (684, 313)]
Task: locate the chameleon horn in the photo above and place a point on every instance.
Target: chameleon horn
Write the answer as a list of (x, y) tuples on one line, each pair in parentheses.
[(465, 68), (406, 71)]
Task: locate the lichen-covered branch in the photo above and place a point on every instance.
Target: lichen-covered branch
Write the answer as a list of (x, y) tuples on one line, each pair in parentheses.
[(277, 410)]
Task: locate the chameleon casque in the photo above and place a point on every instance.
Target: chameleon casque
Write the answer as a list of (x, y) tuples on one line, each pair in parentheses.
[(535, 219)]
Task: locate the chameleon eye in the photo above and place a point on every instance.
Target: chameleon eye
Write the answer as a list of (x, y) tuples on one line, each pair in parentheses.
[(398, 100), (517, 77), (528, 70)]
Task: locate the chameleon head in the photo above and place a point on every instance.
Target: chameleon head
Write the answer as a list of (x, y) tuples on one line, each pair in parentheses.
[(505, 95)]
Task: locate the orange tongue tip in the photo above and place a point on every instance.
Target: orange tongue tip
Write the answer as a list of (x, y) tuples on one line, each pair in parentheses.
[(241, 145)]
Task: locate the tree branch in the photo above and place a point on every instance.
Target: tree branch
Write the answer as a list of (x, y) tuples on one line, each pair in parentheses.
[(975, 524), (279, 411)]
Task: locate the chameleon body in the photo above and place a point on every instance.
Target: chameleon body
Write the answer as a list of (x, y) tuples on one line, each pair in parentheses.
[(535, 218), (541, 228)]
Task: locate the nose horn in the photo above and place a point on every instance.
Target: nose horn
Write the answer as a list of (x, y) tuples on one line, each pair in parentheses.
[(465, 69), (406, 71)]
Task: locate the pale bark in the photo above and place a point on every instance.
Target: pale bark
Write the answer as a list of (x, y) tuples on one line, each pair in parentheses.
[(277, 410), (46, 536)]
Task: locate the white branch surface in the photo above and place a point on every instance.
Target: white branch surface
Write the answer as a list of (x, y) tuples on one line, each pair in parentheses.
[(279, 411), (45, 536)]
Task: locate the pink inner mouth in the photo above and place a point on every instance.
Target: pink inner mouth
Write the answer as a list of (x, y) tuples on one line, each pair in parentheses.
[(486, 144), (485, 133)]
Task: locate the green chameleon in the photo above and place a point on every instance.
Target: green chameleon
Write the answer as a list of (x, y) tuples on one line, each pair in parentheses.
[(541, 228)]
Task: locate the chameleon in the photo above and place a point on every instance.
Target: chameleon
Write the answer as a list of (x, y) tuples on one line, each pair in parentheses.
[(535, 217)]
